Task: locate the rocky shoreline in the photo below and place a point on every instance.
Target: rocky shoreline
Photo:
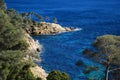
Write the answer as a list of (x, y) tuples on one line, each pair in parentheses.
[(38, 71), (35, 48), (46, 28)]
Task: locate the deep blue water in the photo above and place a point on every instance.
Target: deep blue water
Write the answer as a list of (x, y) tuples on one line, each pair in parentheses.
[(95, 17)]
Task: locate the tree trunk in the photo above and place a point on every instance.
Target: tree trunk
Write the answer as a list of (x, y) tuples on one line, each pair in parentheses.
[(107, 71)]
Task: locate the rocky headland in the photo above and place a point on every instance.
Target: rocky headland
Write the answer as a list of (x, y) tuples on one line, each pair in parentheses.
[(35, 48), (46, 28), (16, 30)]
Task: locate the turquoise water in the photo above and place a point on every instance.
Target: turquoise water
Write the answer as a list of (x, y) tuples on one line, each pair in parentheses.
[(94, 17)]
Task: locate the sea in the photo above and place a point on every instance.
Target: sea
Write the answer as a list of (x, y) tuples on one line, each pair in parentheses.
[(62, 51)]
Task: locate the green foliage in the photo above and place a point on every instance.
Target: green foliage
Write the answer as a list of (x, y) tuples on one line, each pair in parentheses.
[(2, 5), (10, 64), (15, 18), (109, 48), (13, 45), (28, 20), (40, 17), (10, 35), (57, 75), (22, 45), (11, 56), (13, 68), (25, 74), (109, 52), (38, 79)]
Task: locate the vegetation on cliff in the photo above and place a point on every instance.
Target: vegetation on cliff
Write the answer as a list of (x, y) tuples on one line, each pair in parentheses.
[(57, 75), (14, 45), (2, 5)]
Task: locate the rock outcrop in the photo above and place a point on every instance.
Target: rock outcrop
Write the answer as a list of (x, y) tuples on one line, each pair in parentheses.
[(49, 29), (33, 51), (35, 48), (39, 72)]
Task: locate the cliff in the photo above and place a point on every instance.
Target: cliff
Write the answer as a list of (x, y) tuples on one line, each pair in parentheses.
[(33, 51), (34, 47)]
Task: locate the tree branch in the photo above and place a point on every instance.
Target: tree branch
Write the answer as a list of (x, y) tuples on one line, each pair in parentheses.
[(114, 69)]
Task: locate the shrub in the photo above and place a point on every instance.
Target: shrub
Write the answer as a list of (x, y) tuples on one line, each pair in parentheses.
[(10, 35), (10, 62), (2, 5), (57, 75)]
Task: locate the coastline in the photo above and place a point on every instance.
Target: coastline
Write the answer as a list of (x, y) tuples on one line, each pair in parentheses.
[(67, 51), (35, 48), (46, 28)]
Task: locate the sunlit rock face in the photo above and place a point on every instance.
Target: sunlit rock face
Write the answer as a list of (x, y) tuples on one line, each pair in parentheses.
[(50, 29)]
